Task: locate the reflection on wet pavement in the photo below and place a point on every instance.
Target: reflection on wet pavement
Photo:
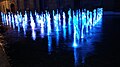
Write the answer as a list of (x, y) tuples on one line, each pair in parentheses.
[(56, 43)]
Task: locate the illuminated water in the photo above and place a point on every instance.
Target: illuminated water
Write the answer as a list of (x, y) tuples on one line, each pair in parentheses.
[(76, 34)]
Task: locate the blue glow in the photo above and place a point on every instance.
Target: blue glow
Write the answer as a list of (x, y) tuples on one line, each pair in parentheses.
[(75, 57), (48, 24), (24, 25), (94, 17), (64, 26), (79, 24), (99, 14), (9, 19), (64, 18), (69, 30), (13, 22), (75, 29), (32, 24), (80, 52), (70, 18), (17, 21), (41, 21), (33, 34), (49, 44), (64, 33), (87, 23), (37, 18), (79, 16), (90, 20), (57, 37), (75, 44), (20, 17), (6, 19), (56, 23), (59, 19), (83, 24), (3, 17), (42, 32)]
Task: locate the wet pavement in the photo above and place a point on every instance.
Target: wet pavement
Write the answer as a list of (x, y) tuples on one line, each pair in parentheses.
[(4, 62), (99, 49)]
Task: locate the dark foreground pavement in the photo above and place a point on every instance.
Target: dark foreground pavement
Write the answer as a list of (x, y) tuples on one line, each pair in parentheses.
[(3, 57)]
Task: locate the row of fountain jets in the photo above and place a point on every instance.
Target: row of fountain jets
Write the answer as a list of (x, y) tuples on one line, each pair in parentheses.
[(81, 21)]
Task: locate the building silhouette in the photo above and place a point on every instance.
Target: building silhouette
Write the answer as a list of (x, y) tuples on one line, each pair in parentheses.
[(15, 5)]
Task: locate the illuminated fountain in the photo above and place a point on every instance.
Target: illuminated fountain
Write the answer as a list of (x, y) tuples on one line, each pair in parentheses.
[(3, 16), (32, 24), (56, 21), (17, 18), (24, 25), (13, 24), (70, 18), (38, 20), (90, 21), (69, 22), (64, 18), (25, 16), (41, 21), (94, 17), (48, 24), (99, 13), (76, 30), (9, 18), (83, 24)]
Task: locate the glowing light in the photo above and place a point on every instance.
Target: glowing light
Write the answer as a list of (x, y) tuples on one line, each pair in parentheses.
[(48, 24), (57, 37), (9, 19), (75, 57), (42, 32), (70, 18), (64, 23), (13, 22), (90, 20), (37, 18), (32, 23), (56, 23), (94, 17), (75, 44), (87, 23), (3, 17), (83, 24), (24, 25), (69, 30), (33, 34), (64, 33), (49, 44)]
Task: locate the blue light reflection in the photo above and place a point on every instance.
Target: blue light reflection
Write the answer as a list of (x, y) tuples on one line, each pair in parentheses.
[(49, 44), (79, 27)]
